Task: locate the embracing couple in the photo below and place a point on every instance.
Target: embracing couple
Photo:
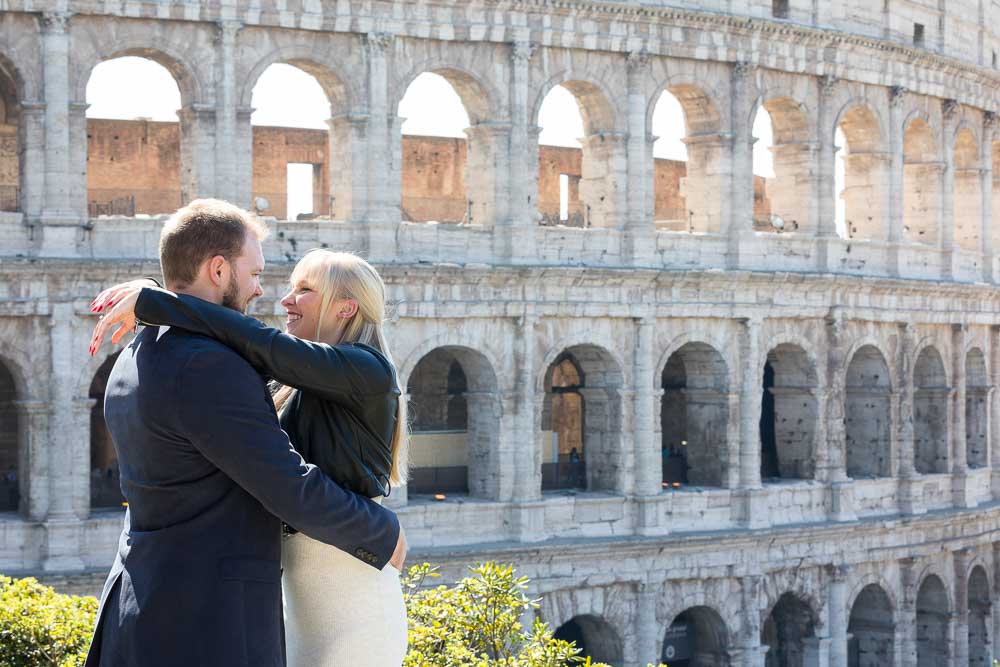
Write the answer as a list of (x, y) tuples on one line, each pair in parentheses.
[(242, 494)]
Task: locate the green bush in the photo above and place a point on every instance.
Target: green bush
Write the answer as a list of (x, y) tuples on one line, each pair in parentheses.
[(39, 627)]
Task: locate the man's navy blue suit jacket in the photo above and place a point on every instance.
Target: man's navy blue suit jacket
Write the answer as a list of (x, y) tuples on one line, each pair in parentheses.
[(209, 477)]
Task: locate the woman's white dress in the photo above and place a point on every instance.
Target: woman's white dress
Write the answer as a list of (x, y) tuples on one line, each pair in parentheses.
[(340, 611)]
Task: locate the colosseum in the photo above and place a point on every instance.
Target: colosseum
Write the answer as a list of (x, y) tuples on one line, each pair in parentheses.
[(713, 425)]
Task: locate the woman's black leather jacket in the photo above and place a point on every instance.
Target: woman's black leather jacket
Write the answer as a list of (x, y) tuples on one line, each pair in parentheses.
[(343, 414)]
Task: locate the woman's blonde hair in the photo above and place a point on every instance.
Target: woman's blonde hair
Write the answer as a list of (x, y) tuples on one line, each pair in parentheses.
[(344, 275)]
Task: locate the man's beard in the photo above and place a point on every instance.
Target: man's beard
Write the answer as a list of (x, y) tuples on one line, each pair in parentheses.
[(231, 297)]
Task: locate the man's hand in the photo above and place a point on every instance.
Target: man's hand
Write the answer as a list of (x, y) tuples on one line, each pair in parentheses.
[(399, 555)]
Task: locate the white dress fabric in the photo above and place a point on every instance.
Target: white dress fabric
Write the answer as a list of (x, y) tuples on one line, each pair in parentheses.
[(340, 611)]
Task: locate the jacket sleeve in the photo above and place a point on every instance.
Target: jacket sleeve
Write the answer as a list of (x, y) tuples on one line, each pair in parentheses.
[(224, 410), (342, 373)]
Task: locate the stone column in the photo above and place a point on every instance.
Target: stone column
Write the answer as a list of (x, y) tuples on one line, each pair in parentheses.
[(33, 458), (841, 486), (230, 156), (346, 148), (839, 615), (740, 219), (639, 238), (906, 626), (961, 642), (243, 147), (910, 487), (647, 630), (748, 651), (515, 236), (384, 153), (197, 130), (31, 147), (949, 116), (897, 95), (994, 440), (995, 594), (986, 192), (486, 173), (528, 510), (57, 207), (603, 179), (826, 207), (754, 510), (959, 454), (78, 198), (647, 459)]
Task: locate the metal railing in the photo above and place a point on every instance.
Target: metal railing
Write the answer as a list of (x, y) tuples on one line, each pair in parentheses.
[(124, 206), (10, 198)]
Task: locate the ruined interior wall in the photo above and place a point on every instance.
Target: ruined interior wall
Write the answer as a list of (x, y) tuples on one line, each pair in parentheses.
[(273, 149), (9, 179), (434, 179)]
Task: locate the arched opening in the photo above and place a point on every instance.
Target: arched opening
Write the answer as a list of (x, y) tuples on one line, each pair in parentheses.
[(789, 411), (930, 413), (442, 154), (594, 637), (922, 168), (687, 153), (696, 638), (295, 142), (105, 483), (868, 418), (980, 619), (968, 202), (581, 178), (783, 162), (454, 422), (977, 409), (932, 624), (10, 435), (10, 140), (786, 632), (694, 417), (582, 421), (871, 629), (136, 148), (866, 174)]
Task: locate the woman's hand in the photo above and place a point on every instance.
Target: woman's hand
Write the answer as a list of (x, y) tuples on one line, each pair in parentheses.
[(118, 307)]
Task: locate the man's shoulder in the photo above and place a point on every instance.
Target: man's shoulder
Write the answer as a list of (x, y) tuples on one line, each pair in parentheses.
[(189, 352)]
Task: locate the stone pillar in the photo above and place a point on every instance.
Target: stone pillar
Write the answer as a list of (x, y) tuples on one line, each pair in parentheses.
[(647, 630), (603, 179), (78, 198), (647, 459), (57, 207), (910, 487), (949, 116), (384, 153), (230, 156), (897, 95), (486, 173), (528, 510), (346, 148), (243, 147), (197, 130), (754, 510), (906, 626), (748, 651), (986, 192), (31, 147), (826, 207), (994, 439), (961, 641), (959, 455), (839, 615), (740, 219), (841, 487), (33, 463), (995, 594), (515, 236), (866, 194), (793, 195), (639, 238)]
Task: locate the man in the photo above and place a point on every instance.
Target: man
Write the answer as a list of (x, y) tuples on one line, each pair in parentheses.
[(209, 476)]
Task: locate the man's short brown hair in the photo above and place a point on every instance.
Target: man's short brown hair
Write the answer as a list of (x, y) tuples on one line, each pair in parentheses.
[(199, 231)]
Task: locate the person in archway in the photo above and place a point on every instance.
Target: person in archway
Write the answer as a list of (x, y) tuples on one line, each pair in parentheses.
[(339, 401)]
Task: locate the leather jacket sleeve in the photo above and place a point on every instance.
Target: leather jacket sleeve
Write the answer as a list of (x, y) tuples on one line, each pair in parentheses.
[(344, 373)]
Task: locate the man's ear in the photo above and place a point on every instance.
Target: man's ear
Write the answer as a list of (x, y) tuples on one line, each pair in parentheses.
[(349, 309), (218, 271)]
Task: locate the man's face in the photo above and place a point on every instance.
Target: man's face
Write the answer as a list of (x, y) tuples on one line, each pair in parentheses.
[(244, 276)]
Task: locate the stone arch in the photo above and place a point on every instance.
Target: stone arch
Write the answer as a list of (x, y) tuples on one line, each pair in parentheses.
[(790, 195), (922, 174), (977, 406), (980, 615), (699, 636), (599, 112), (105, 483), (455, 422), (967, 198), (598, 382), (789, 413), (933, 611), (874, 579), (175, 58), (21, 56), (788, 626), (481, 100), (694, 417), (340, 89), (868, 415), (696, 207), (871, 626), (866, 169), (931, 395), (595, 637)]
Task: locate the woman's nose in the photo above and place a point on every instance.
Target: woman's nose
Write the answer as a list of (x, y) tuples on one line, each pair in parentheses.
[(287, 300)]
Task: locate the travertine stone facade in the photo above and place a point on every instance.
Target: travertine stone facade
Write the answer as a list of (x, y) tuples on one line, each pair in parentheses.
[(788, 436)]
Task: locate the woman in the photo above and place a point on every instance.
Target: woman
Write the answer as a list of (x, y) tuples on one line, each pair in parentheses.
[(340, 403)]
